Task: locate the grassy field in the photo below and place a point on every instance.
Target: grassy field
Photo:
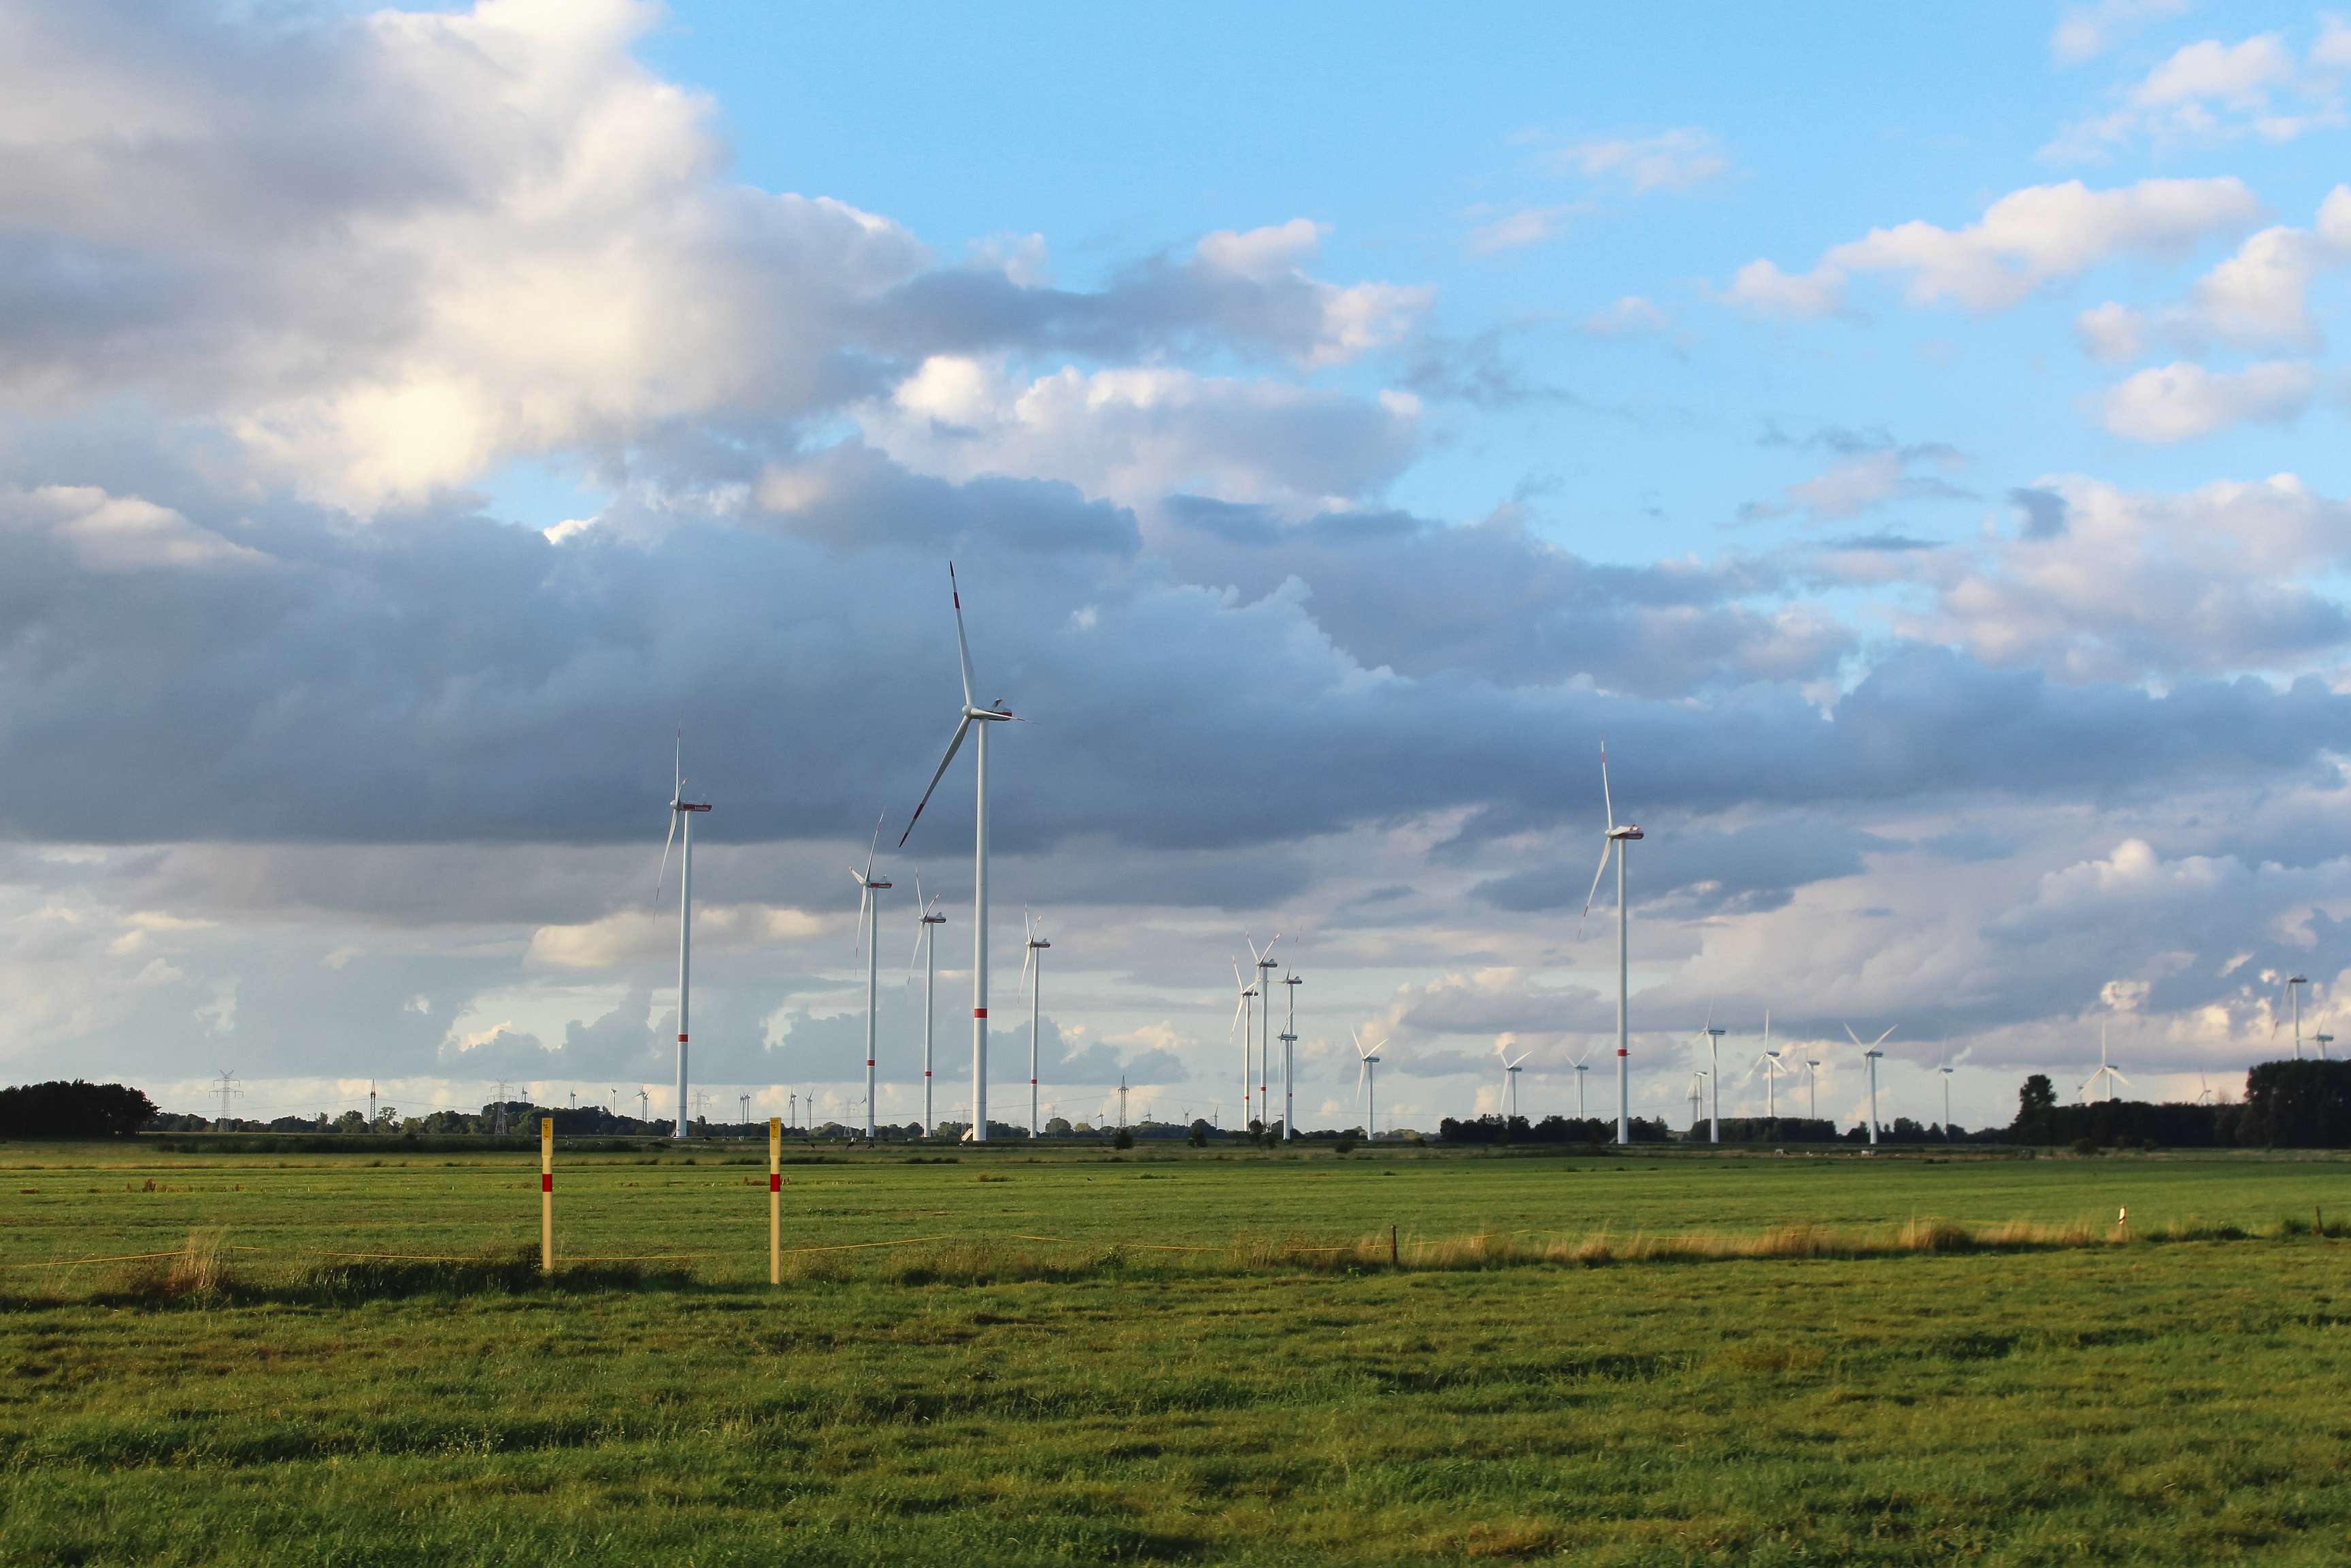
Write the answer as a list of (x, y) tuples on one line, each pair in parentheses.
[(1175, 1375)]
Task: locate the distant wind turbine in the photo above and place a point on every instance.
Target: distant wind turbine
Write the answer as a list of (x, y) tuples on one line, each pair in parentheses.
[(869, 914), (1245, 1015), (1511, 1067), (1870, 1053), (680, 810), (2106, 1073), (2324, 1041), (1265, 967), (1614, 842), (1714, 1074), (1367, 1082), (1032, 969), (1946, 1071), (926, 938), (983, 717), (1580, 1069), (1289, 1040)]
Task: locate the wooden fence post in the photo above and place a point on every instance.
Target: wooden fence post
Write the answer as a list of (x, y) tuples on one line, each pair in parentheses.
[(775, 1200), (547, 1195)]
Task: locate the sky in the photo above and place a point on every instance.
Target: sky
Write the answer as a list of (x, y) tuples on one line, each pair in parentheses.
[(1912, 439)]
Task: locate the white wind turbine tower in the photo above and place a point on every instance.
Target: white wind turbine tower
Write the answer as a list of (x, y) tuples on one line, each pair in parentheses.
[(1367, 1082), (1032, 969), (1511, 1067), (1580, 1069), (1289, 1038), (983, 717), (869, 915), (1615, 842), (1946, 1071), (2292, 984), (926, 940), (1812, 1088), (1264, 966), (680, 810), (2104, 1074), (1713, 1075), (1245, 1015), (1870, 1053), (1696, 1096), (2324, 1041)]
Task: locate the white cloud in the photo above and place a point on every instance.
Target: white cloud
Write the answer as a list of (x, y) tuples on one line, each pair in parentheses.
[(1517, 230), (1673, 159), (2210, 91), (2165, 404), (2028, 239), (631, 935), (2085, 32), (121, 533), (2258, 297), (2124, 586), (1761, 287), (2112, 332), (1136, 435)]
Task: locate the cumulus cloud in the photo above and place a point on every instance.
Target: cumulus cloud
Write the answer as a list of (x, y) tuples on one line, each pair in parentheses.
[(2102, 583), (2210, 91), (1517, 229), (2024, 241), (2166, 404)]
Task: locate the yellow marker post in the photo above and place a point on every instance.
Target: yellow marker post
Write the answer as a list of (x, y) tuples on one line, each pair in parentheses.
[(775, 1200), (547, 1195)]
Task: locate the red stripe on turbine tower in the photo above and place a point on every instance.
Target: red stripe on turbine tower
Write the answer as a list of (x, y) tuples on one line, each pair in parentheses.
[(979, 1012)]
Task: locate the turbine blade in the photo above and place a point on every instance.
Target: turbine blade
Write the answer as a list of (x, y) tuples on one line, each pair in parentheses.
[(663, 880), (1605, 845), (678, 758), (954, 746), (963, 647), (1709, 1012), (1882, 1038), (1855, 1038), (1607, 801), (873, 844)]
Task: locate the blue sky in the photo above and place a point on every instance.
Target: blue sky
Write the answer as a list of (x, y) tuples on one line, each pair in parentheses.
[(1914, 438)]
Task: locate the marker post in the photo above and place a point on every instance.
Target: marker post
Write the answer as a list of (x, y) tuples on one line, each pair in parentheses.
[(775, 1200), (547, 1195)]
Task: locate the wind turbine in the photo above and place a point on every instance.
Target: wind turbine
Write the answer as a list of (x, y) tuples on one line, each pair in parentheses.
[(2106, 1071), (1511, 1067), (1769, 1064), (1696, 1096), (869, 912), (1870, 1053), (1265, 967), (1288, 1039), (680, 810), (1245, 1015), (1614, 842), (1812, 1087), (1580, 1069), (2290, 982), (927, 936), (1714, 1074), (2324, 1041), (1946, 1071), (1032, 969), (983, 717), (1367, 1082)]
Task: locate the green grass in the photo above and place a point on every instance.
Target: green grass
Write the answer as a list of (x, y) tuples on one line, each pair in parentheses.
[(987, 1400)]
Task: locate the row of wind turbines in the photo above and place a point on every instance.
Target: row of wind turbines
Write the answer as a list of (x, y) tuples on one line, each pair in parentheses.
[(975, 721)]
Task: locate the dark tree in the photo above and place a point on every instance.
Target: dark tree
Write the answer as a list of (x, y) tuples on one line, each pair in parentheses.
[(2036, 1104), (74, 1110)]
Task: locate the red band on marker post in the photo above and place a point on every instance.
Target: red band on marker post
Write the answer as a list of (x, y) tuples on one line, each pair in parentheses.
[(775, 1182), (547, 1182)]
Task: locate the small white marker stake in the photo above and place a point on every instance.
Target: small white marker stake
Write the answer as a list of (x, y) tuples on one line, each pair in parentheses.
[(775, 1200), (547, 1195)]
